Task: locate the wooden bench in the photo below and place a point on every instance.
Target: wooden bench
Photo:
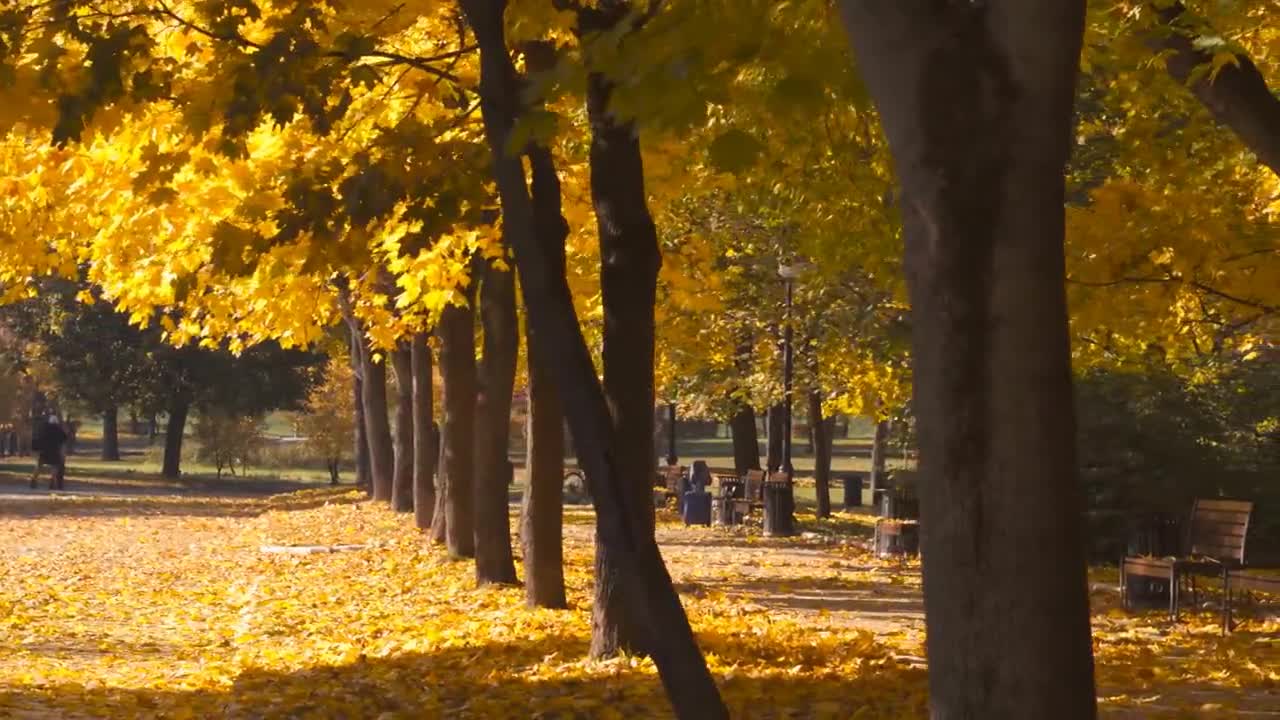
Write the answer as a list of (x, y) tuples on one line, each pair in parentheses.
[(1215, 547), (670, 476)]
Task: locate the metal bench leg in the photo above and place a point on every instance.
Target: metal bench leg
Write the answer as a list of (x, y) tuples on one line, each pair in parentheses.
[(1173, 594), (1226, 603), (1124, 588)]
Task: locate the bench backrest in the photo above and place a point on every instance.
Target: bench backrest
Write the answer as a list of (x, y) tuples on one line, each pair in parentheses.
[(1218, 529), (755, 484)]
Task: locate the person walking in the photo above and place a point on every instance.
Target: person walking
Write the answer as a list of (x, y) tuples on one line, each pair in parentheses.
[(50, 442)]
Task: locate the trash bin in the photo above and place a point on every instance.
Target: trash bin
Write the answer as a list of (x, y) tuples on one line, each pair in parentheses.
[(696, 508), (853, 490), (779, 509)]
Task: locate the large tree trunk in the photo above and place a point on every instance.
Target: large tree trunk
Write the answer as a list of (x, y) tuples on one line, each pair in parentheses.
[(746, 446), (976, 101), (1237, 96), (497, 373), (458, 368), (402, 478), (628, 282), (551, 313), (542, 510), (541, 513), (377, 425), (776, 421), (111, 433), (179, 406), (820, 429), (879, 449), (424, 445), (360, 439)]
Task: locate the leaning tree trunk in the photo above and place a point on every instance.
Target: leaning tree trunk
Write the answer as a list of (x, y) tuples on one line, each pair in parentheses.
[(976, 101), (551, 313), (424, 445), (402, 477), (458, 368), (820, 429), (776, 420), (628, 283), (179, 406), (377, 426), (360, 439), (746, 446), (497, 374), (1237, 94), (111, 433)]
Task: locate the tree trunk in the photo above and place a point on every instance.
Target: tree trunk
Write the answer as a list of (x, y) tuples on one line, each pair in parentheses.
[(541, 514), (111, 433), (628, 283), (1237, 96), (820, 430), (976, 102), (364, 471), (333, 470), (542, 511), (879, 448), (497, 374), (377, 426), (135, 423), (776, 419), (402, 477), (179, 405), (424, 444), (458, 368), (439, 518), (551, 313), (746, 446)]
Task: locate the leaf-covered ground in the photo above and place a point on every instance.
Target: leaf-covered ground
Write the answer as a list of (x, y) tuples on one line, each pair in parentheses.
[(166, 606)]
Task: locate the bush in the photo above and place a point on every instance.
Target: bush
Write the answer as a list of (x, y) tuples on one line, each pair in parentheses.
[(227, 440)]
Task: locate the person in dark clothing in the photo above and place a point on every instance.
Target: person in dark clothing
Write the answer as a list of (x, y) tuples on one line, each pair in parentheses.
[(49, 442)]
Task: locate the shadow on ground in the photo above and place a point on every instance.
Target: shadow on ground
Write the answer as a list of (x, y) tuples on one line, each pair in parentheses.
[(498, 680)]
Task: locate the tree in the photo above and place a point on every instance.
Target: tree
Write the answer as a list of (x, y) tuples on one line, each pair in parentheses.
[(976, 102), (227, 440), (496, 381), (328, 420), (403, 439), (425, 451), (457, 478)]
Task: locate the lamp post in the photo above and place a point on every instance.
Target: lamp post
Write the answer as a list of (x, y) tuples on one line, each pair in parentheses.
[(672, 458), (788, 273)]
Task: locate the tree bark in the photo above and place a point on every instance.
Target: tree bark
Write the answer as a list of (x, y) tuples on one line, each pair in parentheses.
[(364, 472), (424, 445), (377, 425), (628, 282), (746, 446), (551, 313), (976, 101), (1237, 97), (402, 477), (179, 406), (542, 511), (820, 429), (458, 368), (497, 373), (879, 449), (111, 433), (776, 420)]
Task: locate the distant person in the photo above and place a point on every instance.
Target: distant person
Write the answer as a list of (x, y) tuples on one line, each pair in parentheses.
[(49, 442)]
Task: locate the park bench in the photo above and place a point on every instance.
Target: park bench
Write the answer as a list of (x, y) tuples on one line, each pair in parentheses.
[(1246, 582), (752, 493), (670, 478), (1215, 547)]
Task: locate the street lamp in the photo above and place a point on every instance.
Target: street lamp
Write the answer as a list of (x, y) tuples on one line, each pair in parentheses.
[(789, 273)]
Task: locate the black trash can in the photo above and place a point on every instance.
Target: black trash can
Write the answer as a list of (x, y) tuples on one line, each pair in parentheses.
[(853, 490), (779, 509), (696, 508)]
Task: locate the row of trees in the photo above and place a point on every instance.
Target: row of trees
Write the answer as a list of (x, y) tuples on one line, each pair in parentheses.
[(247, 173), (76, 352)]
